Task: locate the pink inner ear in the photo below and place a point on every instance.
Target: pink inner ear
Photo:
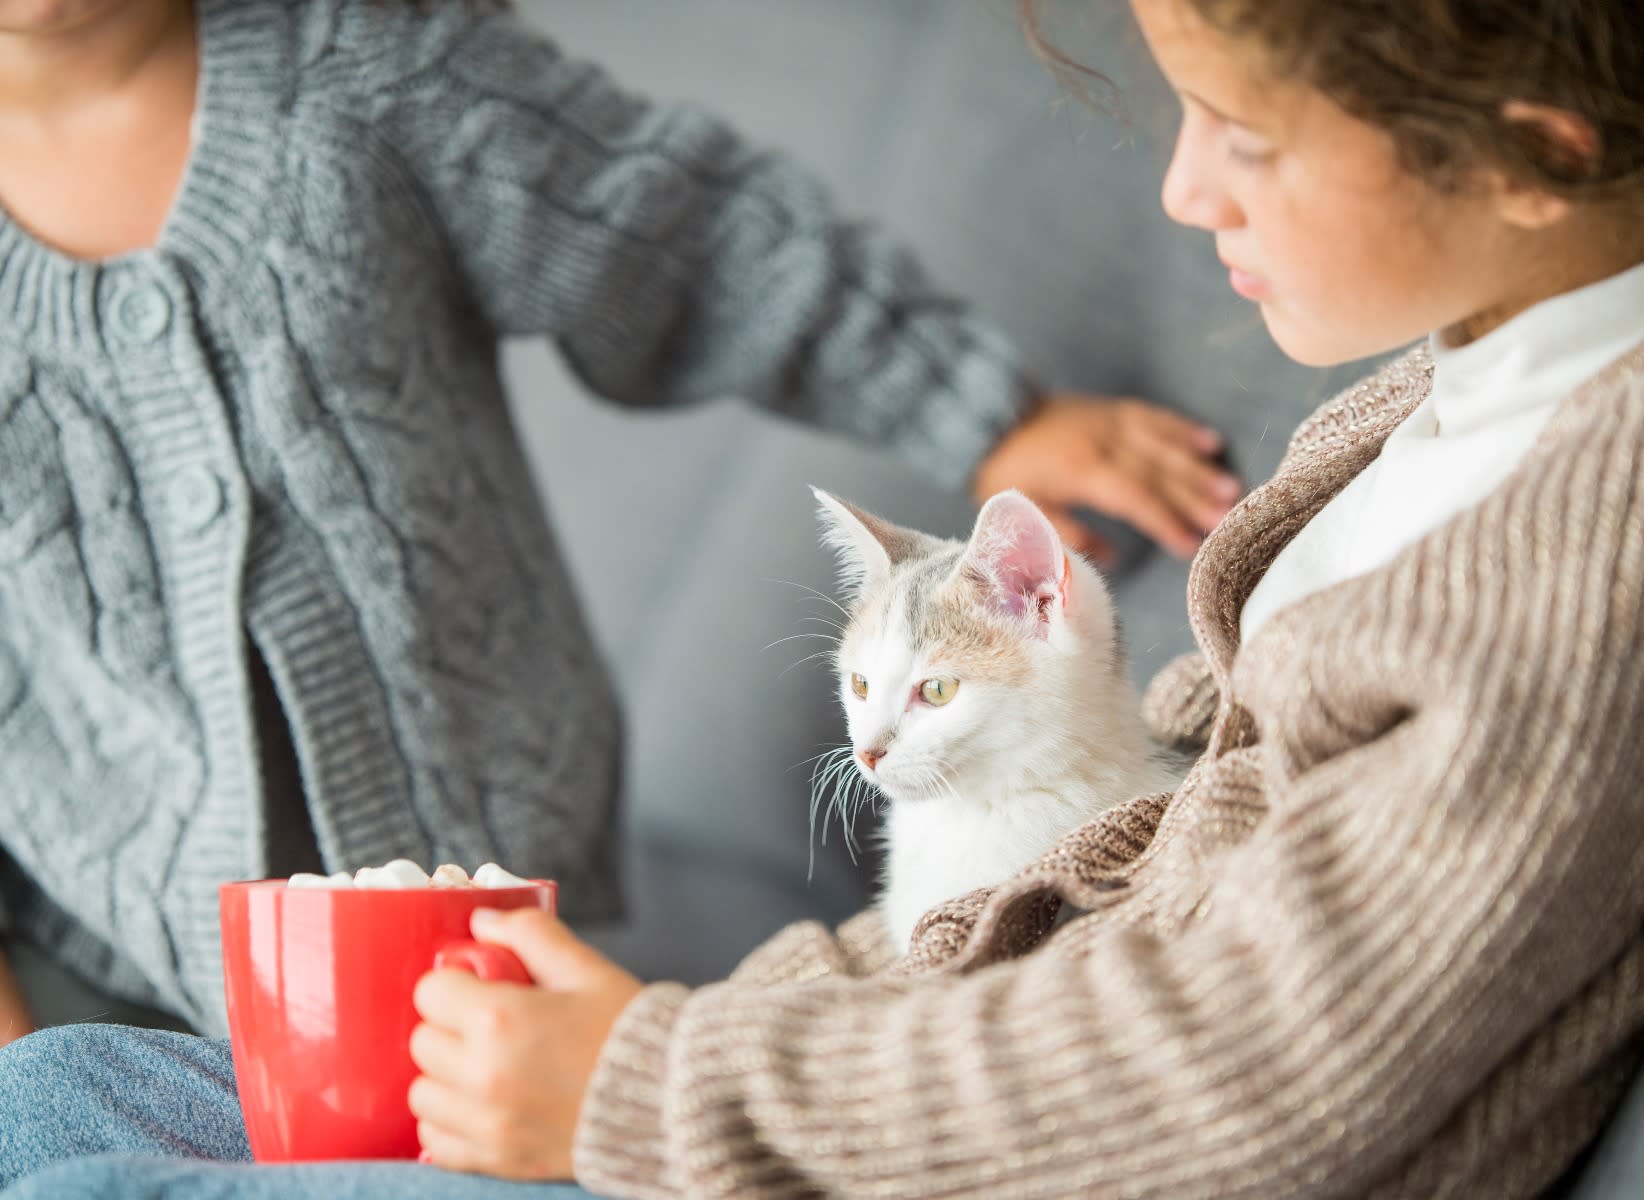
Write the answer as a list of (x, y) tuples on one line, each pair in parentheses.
[(1020, 551)]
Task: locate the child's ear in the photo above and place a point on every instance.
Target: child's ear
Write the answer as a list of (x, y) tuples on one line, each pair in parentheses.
[(867, 547), (1017, 556), (1564, 144)]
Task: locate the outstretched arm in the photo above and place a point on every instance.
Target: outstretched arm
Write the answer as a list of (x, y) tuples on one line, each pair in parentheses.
[(671, 262)]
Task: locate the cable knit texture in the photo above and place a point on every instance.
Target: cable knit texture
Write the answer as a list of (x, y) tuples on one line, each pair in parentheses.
[(1384, 940), (284, 423)]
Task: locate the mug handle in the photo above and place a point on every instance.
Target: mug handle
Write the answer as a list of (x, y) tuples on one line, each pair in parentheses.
[(492, 963)]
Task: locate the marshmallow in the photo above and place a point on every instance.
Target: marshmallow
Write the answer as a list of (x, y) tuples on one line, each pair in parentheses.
[(305, 880), (401, 873), (492, 876)]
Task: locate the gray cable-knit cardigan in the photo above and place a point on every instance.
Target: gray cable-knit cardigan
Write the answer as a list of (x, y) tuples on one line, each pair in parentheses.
[(280, 434), (1386, 940)]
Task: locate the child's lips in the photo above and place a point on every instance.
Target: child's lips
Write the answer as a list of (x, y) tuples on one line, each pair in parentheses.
[(1251, 287)]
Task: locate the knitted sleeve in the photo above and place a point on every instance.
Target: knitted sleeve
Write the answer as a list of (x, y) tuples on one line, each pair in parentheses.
[(806, 950), (670, 261), (1180, 703), (1441, 885)]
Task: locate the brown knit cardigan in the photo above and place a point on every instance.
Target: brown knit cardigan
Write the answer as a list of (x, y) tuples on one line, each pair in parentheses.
[(1384, 941)]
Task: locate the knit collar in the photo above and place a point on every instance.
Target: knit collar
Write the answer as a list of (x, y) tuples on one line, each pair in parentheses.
[(1328, 452), (53, 300)]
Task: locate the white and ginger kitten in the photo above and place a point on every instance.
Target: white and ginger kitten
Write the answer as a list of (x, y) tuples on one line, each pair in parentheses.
[(986, 695)]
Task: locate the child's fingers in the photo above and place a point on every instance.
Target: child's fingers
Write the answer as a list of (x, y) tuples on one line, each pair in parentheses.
[(438, 1053), (447, 1150), (1203, 475), (554, 956), (447, 996), (1184, 430), (1201, 493), (1123, 495), (454, 1147), (449, 1109)]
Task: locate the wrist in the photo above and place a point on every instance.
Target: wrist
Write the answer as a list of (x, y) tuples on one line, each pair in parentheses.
[(620, 1144), (982, 484)]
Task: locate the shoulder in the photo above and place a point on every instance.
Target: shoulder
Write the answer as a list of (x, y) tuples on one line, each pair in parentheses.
[(472, 85), (388, 55), (1607, 410), (1588, 463)]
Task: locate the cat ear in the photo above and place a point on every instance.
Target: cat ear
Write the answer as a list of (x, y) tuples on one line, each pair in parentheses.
[(867, 547), (1016, 555)]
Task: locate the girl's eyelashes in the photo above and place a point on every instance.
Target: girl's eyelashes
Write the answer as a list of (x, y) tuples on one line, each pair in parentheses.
[(1248, 151), (1242, 143)]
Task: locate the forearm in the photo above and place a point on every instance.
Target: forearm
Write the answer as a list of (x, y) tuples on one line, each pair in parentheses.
[(673, 262), (807, 950), (15, 1018)]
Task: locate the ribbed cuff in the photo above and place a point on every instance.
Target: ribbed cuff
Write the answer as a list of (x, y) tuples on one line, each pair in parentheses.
[(803, 950), (950, 439), (621, 1148), (1180, 704)]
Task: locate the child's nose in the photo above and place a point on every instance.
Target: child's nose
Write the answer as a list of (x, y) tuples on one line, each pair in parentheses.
[(1192, 195)]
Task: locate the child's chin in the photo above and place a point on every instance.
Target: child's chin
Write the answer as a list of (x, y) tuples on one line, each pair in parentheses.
[(1323, 348)]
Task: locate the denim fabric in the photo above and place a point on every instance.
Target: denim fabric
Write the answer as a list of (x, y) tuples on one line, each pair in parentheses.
[(111, 1111)]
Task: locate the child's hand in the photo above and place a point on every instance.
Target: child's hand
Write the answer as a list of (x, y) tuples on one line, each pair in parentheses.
[(1125, 458), (505, 1066)]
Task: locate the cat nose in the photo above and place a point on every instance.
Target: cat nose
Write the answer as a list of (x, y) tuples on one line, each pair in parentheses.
[(871, 756)]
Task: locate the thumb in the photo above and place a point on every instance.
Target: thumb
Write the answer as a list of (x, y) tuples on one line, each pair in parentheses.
[(554, 957)]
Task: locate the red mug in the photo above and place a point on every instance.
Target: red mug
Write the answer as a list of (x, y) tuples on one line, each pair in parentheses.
[(319, 984)]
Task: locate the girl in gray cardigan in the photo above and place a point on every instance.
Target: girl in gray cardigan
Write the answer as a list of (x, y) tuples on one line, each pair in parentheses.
[(276, 592)]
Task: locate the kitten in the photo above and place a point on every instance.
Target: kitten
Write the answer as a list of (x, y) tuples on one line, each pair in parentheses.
[(986, 696)]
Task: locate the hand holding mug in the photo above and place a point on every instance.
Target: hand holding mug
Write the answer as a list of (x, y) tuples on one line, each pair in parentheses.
[(505, 1066)]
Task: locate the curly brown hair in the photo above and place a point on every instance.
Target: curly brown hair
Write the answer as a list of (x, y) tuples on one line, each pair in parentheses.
[(1437, 74)]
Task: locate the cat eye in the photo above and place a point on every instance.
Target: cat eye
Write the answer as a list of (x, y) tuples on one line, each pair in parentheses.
[(859, 685), (940, 690)]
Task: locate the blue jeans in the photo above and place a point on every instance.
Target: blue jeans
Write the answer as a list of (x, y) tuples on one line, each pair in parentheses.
[(112, 1111)]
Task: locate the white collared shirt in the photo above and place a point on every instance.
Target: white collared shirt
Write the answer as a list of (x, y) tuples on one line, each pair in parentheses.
[(1490, 400)]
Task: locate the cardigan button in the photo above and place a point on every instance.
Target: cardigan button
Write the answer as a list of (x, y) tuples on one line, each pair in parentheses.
[(194, 498), (142, 313)]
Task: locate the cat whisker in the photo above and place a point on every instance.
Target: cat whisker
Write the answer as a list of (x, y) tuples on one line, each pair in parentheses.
[(813, 758), (805, 587), (827, 777), (850, 792), (809, 658), (794, 637), (863, 795), (949, 786)]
